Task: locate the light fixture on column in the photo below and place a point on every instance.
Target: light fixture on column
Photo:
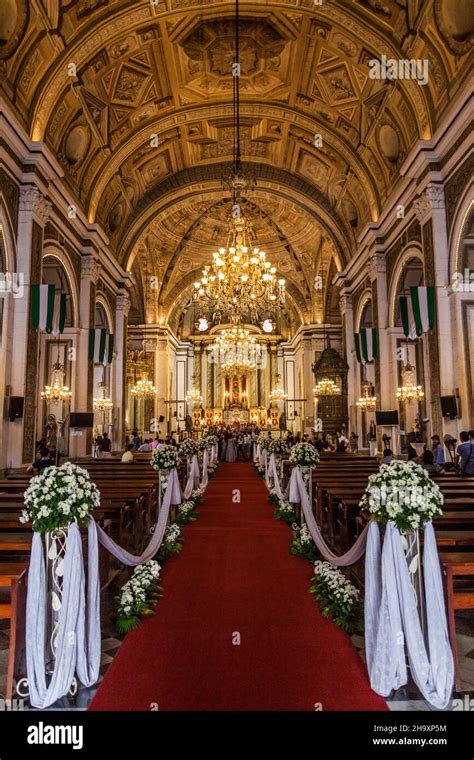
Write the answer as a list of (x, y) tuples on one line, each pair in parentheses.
[(144, 389), (277, 395), (56, 393), (193, 397), (409, 391), (103, 403), (367, 400)]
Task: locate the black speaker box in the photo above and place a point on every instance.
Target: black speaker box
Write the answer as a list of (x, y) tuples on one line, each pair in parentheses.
[(449, 406), (81, 420), (161, 418), (15, 408)]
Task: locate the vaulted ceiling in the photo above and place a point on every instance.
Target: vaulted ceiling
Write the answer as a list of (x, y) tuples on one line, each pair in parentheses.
[(134, 98)]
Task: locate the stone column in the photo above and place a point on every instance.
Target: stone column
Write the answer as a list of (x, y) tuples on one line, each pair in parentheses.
[(34, 211), (377, 273), (119, 369), (345, 305), (430, 211), (161, 382), (80, 445), (308, 409)]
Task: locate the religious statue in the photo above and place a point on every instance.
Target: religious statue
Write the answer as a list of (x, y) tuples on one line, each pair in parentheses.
[(50, 434)]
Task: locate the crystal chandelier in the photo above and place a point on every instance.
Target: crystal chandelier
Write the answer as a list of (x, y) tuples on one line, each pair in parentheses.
[(277, 394), (240, 279), (236, 351), (326, 387), (103, 403), (409, 390), (56, 393), (193, 397), (144, 389), (367, 400)]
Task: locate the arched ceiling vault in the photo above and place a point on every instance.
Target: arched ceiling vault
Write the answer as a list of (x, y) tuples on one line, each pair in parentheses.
[(134, 99)]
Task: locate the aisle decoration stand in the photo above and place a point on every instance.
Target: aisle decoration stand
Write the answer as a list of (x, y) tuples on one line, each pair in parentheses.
[(404, 600)]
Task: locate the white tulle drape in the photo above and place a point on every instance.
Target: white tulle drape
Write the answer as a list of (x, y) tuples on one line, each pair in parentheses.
[(297, 494), (392, 624), (172, 495), (205, 465), (193, 480), (78, 640), (273, 481)]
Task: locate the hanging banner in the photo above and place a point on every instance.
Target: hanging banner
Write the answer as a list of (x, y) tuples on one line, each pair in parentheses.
[(59, 313), (101, 346), (418, 311), (42, 307), (366, 345)]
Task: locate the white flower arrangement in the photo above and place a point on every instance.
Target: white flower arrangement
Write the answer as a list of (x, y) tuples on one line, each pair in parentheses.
[(171, 543), (302, 544), (278, 446), (404, 493), (137, 596), (189, 447), (165, 458), (284, 511), (303, 455), (211, 440), (58, 496), (185, 512), (337, 597), (197, 495), (264, 441)]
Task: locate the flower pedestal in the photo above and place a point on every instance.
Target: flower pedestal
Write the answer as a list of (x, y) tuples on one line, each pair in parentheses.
[(411, 546)]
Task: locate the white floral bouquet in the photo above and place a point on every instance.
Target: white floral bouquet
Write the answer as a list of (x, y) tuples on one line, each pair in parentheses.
[(302, 544), (404, 493), (197, 496), (284, 511), (264, 441), (58, 496), (189, 447), (165, 458), (138, 596), (171, 543), (338, 598), (277, 446), (303, 455), (211, 440), (186, 512)]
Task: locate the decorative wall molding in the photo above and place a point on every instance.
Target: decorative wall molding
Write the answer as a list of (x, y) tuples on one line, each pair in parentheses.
[(430, 200)]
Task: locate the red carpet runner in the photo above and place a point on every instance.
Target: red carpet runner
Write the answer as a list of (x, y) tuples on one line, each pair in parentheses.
[(235, 577)]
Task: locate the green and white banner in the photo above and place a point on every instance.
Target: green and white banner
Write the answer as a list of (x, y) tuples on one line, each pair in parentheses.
[(48, 309), (101, 346), (366, 345), (418, 311)]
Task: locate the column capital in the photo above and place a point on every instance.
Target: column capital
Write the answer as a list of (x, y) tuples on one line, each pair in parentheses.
[(431, 199), (161, 344), (90, 268), (33, 201), (377, 264), (345, 301), (150, 344), (123, 303)]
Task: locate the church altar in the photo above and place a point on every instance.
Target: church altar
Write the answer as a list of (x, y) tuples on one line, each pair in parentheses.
[(237, 414)]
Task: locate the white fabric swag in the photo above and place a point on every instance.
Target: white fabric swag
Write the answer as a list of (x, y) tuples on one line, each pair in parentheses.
[(172, 495), (193, 480), (392, 621), (78, 638), (272, 477), (297, 494)]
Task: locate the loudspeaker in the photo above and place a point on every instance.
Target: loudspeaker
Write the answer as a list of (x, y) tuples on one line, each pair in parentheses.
[(81, 420), (15, 408), (386, 418), (161, 418), (449, 407)]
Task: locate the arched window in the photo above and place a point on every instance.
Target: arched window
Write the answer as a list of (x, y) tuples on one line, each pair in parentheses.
[(412, 276), (55, 274)]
